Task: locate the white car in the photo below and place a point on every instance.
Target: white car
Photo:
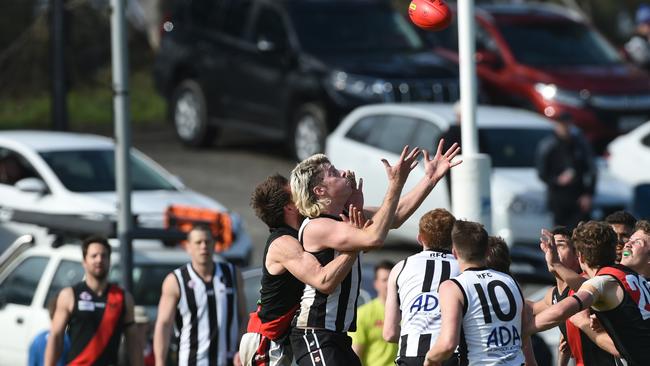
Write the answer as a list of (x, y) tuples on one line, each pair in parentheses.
[(510, 136), (71, 173), (629, 155), (31, 274)]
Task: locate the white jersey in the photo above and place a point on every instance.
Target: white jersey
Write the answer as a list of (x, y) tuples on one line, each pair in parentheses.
[(417, 290), (337, 311), (492, 317), (207, 320)]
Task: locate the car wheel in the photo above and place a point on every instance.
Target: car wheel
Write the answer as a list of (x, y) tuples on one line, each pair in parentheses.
[(190, 115), (309, 131)]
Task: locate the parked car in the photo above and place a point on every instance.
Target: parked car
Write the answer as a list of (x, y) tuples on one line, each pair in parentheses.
[(290, 69), (553, 61), (31, 273), (70, 173), (629, 156), (509, 136)]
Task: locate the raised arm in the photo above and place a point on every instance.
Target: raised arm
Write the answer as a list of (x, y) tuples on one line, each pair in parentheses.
[(392, 313), (451, 309), (133, 345), (434, 169), (64, 307), (169, 298), (547, 244), (320, 234)]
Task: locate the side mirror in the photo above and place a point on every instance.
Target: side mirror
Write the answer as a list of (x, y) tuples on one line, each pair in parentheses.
[(32, 185), (488, 58)]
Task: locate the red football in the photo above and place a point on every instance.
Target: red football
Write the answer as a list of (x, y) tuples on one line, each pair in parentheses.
[(431, 15)]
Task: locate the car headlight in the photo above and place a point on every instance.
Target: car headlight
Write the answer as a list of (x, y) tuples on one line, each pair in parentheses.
[(360, 86), (552, 93), (526, 205)]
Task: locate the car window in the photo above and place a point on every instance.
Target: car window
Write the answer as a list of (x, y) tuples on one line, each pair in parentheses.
[(269, 26), (67, 274), (511, 147), (426, 136), (147, 281), (20, 285), (323, 27), (14, 167), (386, 132), (235, 13), (646, 140), (560, 43), (94, 171)]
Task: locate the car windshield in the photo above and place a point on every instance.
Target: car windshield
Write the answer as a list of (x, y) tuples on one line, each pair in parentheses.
[(511, 147), (94, 171), (558, 44), (336, 26)]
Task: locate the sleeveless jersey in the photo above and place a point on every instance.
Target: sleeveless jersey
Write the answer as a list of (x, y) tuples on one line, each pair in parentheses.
[(207, 320), (95, 325), (338, 311), (417, 289), (492, 317), (629, 323), (279, 293)]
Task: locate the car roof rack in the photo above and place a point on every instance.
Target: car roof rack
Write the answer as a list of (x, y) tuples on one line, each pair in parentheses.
[(69, 226)]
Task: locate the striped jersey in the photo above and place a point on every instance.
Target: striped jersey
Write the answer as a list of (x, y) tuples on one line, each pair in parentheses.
[(337, 311), (492, 317), (207, 320), (417, 290)]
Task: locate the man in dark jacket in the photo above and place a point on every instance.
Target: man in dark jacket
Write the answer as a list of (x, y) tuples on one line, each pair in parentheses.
[(565, 163)]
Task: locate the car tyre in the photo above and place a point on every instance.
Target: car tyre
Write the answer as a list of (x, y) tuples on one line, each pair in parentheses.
[(190, 116), (309, 130)]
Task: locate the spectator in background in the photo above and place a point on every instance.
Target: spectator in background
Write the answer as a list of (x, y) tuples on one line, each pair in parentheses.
[(565, 163), (367, 341), (36, 355), (623, 224), (638, 47)]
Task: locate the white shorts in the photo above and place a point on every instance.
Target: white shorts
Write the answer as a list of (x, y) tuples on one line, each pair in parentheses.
[(257, 350)]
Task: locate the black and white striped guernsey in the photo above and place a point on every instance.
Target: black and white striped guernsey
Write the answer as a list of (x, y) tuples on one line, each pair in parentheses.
[(417, 289), (207, 320), (338, 311)]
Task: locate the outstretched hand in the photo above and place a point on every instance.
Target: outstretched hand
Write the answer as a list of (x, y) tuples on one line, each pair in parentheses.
[(439, 165), (356, 198), (548, 246), (403, 167)]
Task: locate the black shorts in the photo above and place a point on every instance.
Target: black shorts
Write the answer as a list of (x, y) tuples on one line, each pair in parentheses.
[(418, 361), (316, 347)]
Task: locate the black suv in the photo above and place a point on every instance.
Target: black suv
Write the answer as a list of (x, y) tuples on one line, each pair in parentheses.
[(290, 69)]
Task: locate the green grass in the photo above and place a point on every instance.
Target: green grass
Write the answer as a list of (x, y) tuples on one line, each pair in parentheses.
[(87, 106)]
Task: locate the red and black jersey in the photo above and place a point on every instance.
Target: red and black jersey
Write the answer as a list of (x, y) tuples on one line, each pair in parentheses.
[(557, 297), (95, 325), (629, 323), (279, 295), (583, 349)]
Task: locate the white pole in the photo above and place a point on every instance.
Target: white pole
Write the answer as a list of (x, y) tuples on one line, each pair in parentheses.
[(471, 180), (120, 68)]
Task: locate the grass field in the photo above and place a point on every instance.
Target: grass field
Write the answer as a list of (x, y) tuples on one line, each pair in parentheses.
[(87, 105)]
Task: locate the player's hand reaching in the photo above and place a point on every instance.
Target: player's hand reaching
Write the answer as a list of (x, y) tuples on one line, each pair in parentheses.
[(400, 171), (547, 244), (436, 167)]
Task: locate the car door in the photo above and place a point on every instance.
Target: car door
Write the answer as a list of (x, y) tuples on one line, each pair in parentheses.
[(375, 137), (262, 69), (17, 293)]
